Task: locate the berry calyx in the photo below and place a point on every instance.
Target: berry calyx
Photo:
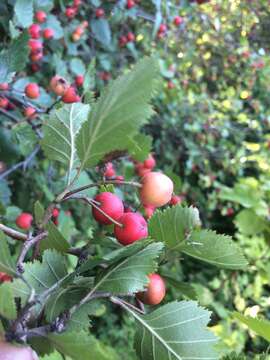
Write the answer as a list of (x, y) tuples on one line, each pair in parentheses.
[(24, 221), (40, 16), (70, 96), (79, 79), (177, 20), (32, 91), (134, 227), (48, 33), (150, 162), (175, 200), (100, 13), (34, 31), (156, 189), (59, 85), (111, 205), (155, 292), (9, 351)]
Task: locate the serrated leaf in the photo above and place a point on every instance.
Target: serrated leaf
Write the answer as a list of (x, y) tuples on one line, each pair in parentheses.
[(130, 274), (7, 302), (259, 326), (140, 146), (60, 131), (25, 137), (175, 331), (184, 289), (172, 225), (80, 345), (89, 77), (53, 356), (249, 223), (122, 108), (7, 264), (24, 12), (218, 250), (14, 58), (101, 31), (55, 240)]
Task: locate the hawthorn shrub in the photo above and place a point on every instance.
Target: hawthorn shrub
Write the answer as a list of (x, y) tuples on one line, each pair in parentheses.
[(84, 246)]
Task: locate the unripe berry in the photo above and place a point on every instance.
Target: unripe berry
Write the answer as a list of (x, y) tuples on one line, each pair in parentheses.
[(79, 30), (32, 91), (100, 13), (3, 102), (155, 292), (134, 227), (4, 86), (111, 205), (24, 221), (177, 20), (156, 189), (150, 162), (12, 352), (34, 31), (130, 37), (48, 33), (29, 112), (75, 37), (130, 4), (70, 96), (70, 12), (79, 79), (175, 200), (59, 85), (4, 278), (40, 16)]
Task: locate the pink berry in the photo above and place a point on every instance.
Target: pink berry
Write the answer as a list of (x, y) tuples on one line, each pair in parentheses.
[(79, 79), (156, 189), (150, 162), (111, 205), (177, 20), (130, 4), (155, 292), (48, 33), (34, 31), (134, 227), (175, 200), (40, 16)]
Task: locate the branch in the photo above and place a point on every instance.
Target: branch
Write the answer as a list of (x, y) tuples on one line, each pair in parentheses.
[(13, 233), (9, 115), (125, 305)]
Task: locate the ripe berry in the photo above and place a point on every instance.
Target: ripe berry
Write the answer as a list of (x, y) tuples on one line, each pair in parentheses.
[(150, 162), (79, 79), (175, 200), (36, 57), (122, 41), (149, 211), (3, 102), (71, 12), (70, 96), (162, 28), (170, 85), (4, 86), (35, 45), (141, 170), (77, 3), (55, 213), (58, 85), (130, 37), (40, 16), (130, 4), (109, 171), (100, 13), (134, 227), (29, 112), (177, 20), (32, 90), (156, 189), (34, 31), (4, 277), (48, 33), (111, 205), (24, 221), (12, 352), (155, 291)]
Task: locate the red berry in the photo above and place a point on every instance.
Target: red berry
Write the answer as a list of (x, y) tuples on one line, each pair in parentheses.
[(35, 45), (77, 3), (156, 189), (162, 28), (48, 33), (71, 12), (79, 79), (40, 16), (4, 277), (155, 292), (109, 171), (16, 352), (119, 178), (170, 85), (141, 170), (230, 211), (175, 200), (36, 57), (123, 40), (130, 37), (59, 85), (177, 20), (55, 213), (111, 205), (4, 86), (32, 90), (34, 31), (100, 13), (29, 112), (134, 227), (70, 96), (130, 4), (150, 162), (3, 102), (149, 211), (24, 221)]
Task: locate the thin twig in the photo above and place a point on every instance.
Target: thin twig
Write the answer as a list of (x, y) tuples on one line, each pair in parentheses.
[(9, 115), (125, 305), (13, 233)]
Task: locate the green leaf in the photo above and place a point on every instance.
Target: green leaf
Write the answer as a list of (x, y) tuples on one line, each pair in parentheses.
[(101, 31), (25, 137), (39, 213), (55, 240), (80, 345), (130, 274), (249, 223), (89, 77), (53, 23), (175, 331), (184, 289), (172, 225), (7, 302), (60, 131), (14, 58), (7, 264), (259, 326), (140, 146), (24, 12), (53, 356), (122, 108), (77, 66), (215, 249)]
